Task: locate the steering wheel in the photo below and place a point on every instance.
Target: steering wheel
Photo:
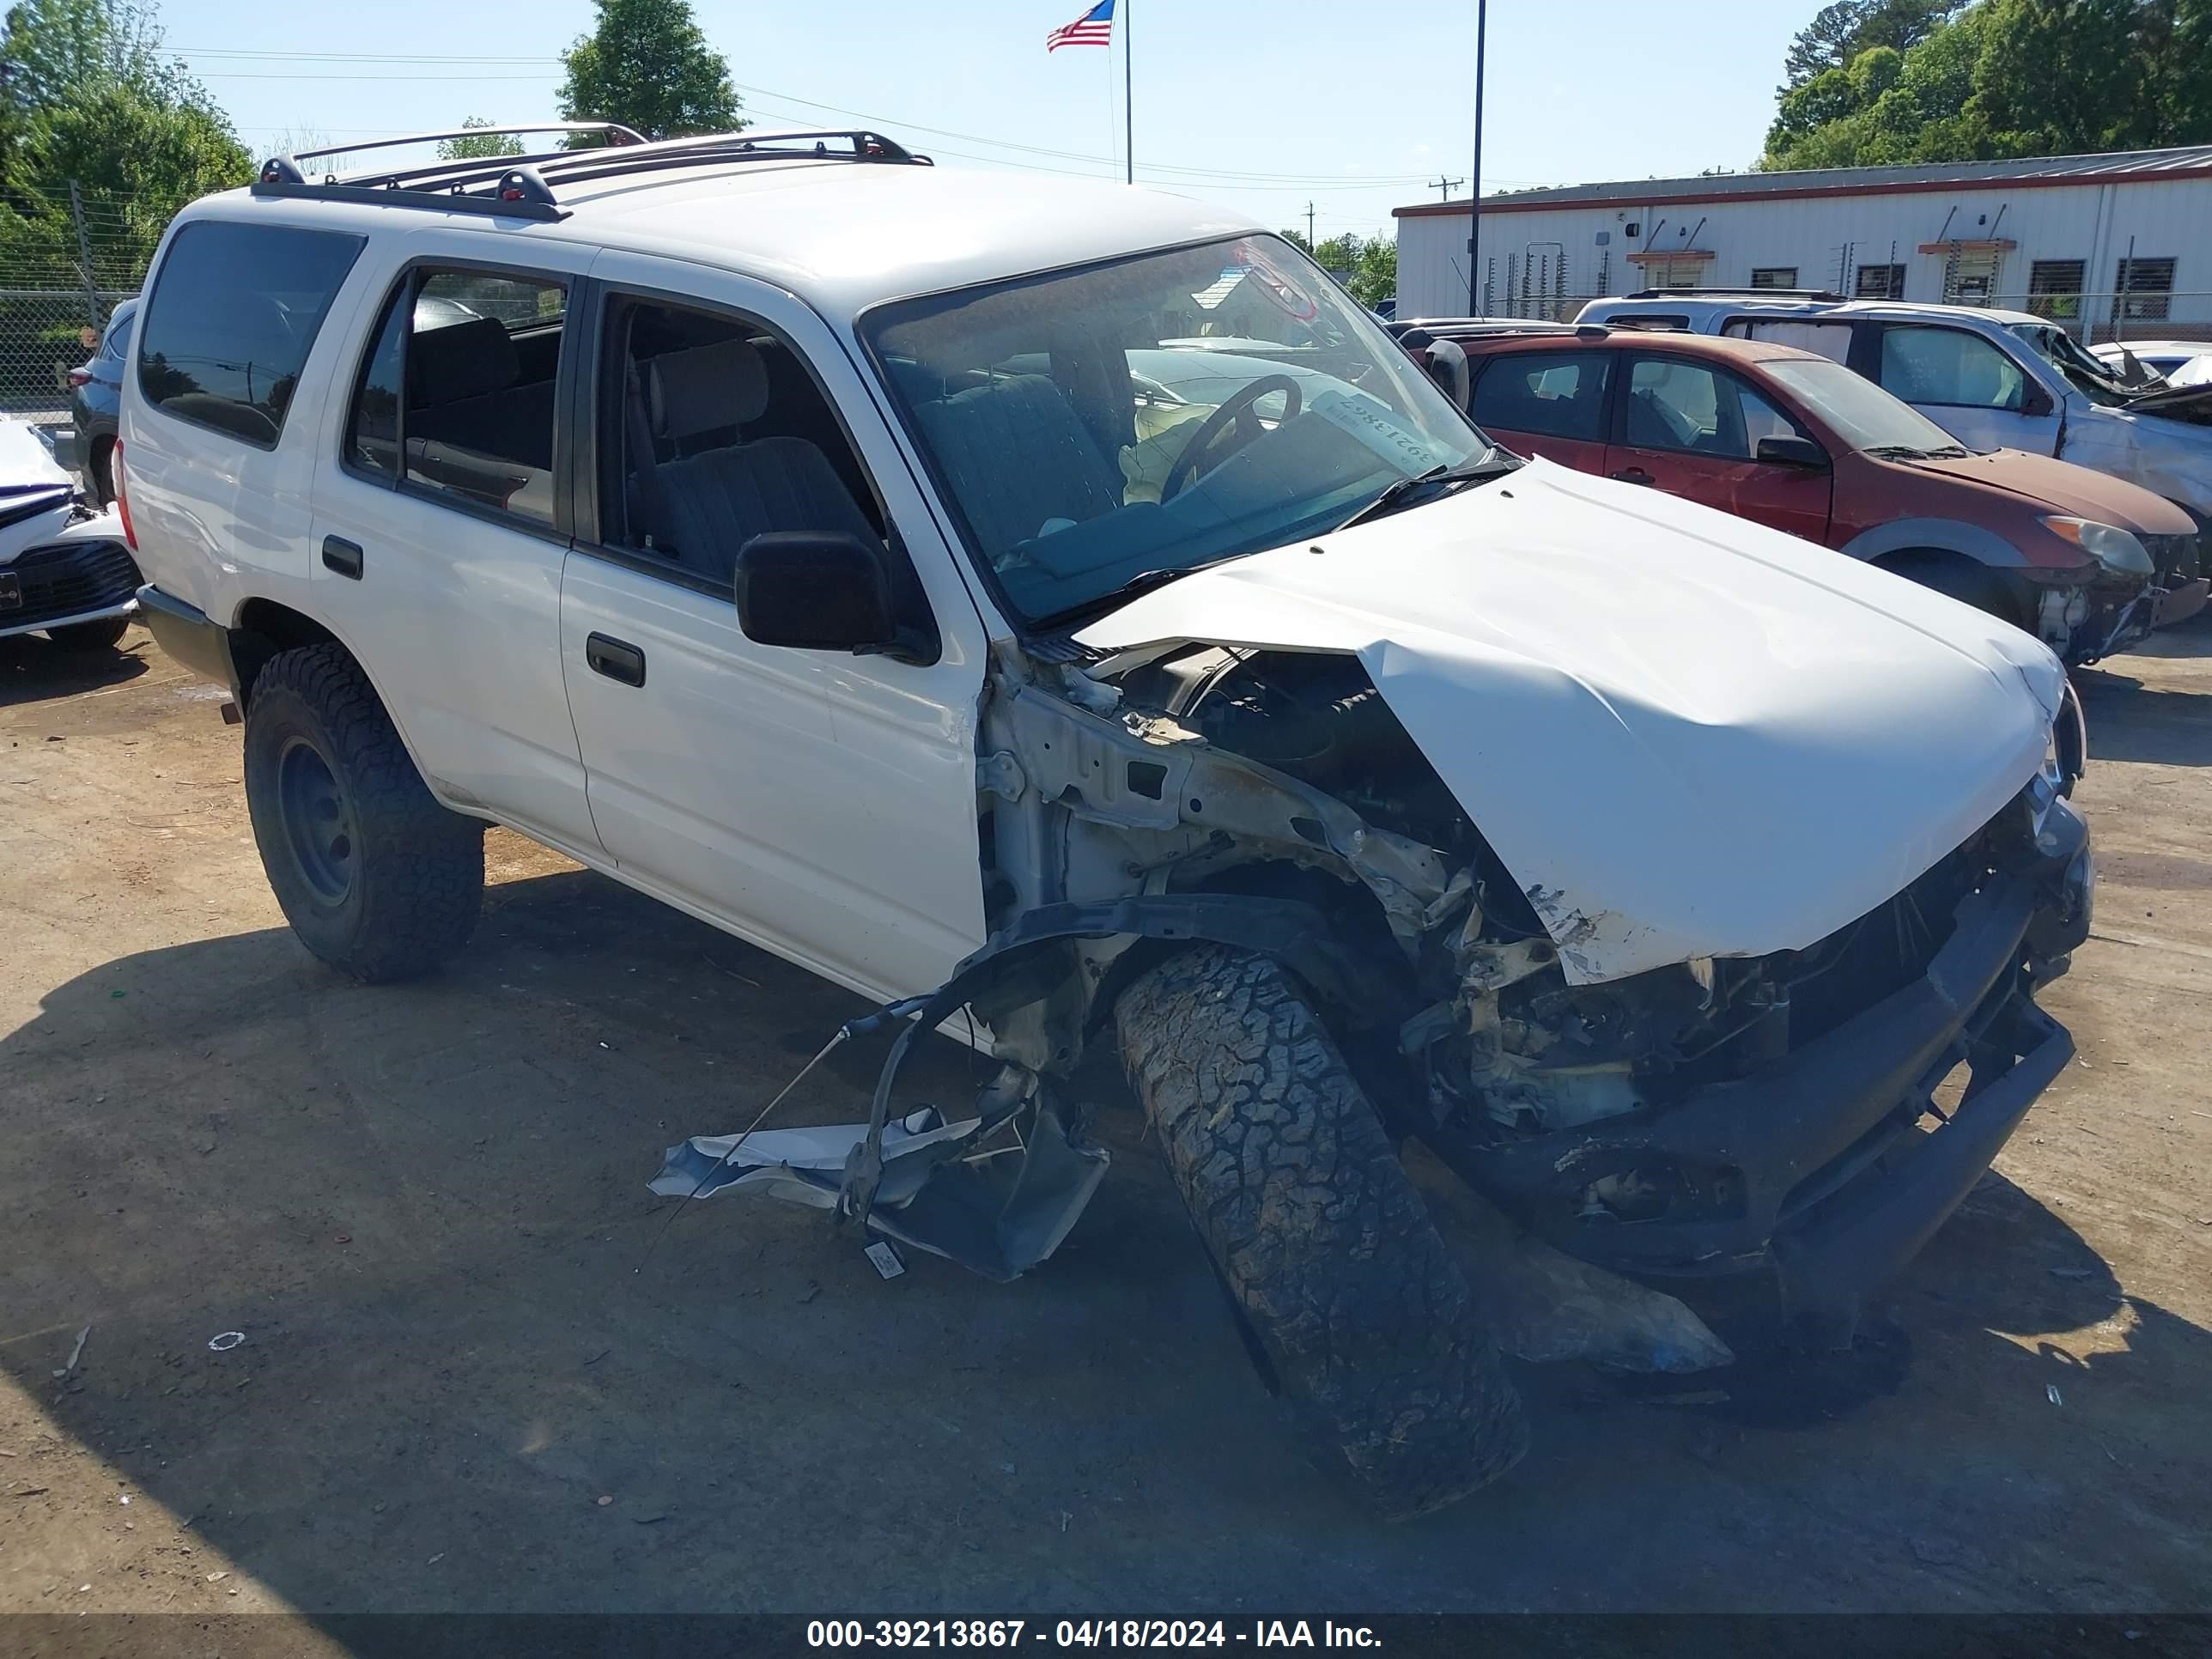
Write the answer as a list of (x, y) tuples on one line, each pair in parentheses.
[(1236, 413)]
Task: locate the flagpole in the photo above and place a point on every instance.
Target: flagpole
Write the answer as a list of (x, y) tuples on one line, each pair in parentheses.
[(1128, 116)]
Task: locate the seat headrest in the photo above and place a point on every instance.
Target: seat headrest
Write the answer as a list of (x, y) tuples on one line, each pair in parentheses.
[(462, 360), (707, 388)]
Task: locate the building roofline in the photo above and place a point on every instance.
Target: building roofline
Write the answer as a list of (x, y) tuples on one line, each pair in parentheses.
[(2127, 167)]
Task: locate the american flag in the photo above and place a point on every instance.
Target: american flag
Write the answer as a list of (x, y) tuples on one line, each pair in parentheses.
[(1094, 28)]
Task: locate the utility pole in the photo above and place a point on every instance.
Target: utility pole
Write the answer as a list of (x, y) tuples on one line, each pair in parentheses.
[(1443, 186), (1474, 194), (1128, 90), (1309, 227)]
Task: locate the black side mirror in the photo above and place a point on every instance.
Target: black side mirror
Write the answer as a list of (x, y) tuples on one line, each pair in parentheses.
[(823, 591), (2034, 401), (1791, 450)]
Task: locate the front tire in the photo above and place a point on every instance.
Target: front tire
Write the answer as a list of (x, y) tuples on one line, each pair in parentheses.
[(1357, 1306), (374, 876), (102, 636)]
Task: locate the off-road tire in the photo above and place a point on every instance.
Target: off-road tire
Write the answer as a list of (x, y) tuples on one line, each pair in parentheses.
[(1364, 1316), (415, 870), (102, 636)]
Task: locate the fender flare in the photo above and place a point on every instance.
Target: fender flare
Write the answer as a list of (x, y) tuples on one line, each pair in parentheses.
[(1936, 535)]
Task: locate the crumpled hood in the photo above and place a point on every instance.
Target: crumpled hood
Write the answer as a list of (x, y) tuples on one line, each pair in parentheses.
[(1685, 734)]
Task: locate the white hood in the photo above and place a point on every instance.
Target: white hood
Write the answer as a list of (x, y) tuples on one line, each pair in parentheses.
[(1685, 734)]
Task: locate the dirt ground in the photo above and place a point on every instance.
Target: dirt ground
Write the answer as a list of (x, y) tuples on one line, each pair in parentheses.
[(425, 1207)]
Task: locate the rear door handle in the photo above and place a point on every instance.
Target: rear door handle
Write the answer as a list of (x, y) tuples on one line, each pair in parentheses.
[(616, 659), (342, 557), (1634, 475)]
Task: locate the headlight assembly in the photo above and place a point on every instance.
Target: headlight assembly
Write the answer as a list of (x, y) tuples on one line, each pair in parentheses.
[(2116, 549)]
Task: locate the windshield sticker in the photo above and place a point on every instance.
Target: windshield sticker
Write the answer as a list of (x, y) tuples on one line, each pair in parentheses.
[(1371, 422)]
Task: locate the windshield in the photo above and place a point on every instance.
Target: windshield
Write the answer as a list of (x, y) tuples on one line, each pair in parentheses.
[(1126, 422), (2094, 380), (1860, 412)]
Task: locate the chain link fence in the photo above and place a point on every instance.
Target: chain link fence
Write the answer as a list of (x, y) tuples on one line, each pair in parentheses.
[(65, 262)]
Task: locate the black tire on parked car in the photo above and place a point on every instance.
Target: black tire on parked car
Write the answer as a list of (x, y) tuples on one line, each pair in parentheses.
[(1358, 1309), (103, 635), (1965, 580), (103, 472), (374, 876)]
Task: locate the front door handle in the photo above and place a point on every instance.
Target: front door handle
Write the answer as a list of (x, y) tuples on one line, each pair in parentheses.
[(1634, 475), (616, 659), (342, 557)]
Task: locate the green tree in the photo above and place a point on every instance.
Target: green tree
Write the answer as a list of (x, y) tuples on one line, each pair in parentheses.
[(2010, 77), (488, 148), (1840, 32), (646, 64)]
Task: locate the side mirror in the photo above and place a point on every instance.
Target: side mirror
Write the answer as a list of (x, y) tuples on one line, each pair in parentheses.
[(823, 591), (1792, 451), (2034, 401)]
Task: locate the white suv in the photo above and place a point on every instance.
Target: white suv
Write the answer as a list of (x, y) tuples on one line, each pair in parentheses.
[(1065, 605)]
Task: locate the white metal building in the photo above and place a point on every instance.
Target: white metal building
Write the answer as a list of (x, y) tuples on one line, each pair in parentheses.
[(2119, 243)]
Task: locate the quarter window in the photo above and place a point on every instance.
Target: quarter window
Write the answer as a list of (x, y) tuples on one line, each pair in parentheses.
[(233, 313), (1552, 394), (455, 397), (1950, 367)]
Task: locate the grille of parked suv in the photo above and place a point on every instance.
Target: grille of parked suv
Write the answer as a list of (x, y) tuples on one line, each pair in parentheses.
[(69, 580), (2176, 556)]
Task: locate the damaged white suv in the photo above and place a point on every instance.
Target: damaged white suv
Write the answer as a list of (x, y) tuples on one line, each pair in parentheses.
[(1065, 605)]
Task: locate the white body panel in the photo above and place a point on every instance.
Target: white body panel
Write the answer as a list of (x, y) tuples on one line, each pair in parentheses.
[(824, 802), (1685, 734)]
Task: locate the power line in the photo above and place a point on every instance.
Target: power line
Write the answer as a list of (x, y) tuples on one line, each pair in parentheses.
[(1255, 179)]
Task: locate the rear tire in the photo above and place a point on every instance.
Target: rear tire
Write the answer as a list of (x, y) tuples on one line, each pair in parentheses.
[(374, 876), (103, 472), (1363, 1318), (102, 636)]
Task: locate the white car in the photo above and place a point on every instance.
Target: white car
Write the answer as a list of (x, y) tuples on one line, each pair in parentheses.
[(769, 538), (1993, 379), (64, 570), (2178, 362)]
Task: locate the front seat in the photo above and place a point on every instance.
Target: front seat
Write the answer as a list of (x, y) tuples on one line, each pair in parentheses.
[(703, 506), (1018, 456)]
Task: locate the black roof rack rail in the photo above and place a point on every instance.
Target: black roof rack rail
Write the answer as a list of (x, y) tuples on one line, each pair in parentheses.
[(1736, 294), (520, 186)]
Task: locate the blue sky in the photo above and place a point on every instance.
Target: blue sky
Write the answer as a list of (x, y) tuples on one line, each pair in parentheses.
[(1265, 104)]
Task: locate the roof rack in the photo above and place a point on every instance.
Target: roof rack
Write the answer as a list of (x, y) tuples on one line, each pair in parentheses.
[(522, 186), (1736, 294)]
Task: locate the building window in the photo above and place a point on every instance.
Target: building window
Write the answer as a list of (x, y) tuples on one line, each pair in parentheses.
[(1774, 276), (2143, 287), (2054, 288), (1880, 282)]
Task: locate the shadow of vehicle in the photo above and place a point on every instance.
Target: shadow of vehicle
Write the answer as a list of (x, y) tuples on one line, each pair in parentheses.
[(2129, 720), (33, 669), (465, 1385)]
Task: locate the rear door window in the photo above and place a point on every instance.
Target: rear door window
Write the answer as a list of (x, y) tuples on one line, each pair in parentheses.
[(1552, 394), (455, 397), (1950, 367), (234, 313)]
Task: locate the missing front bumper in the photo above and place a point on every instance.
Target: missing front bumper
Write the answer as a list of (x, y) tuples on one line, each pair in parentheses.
[(1816, 1170)]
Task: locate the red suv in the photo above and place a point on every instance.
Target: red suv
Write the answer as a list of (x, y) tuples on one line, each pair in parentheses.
[(1799, 443)]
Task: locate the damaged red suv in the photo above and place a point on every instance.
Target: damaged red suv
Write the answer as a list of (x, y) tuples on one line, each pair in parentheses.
[(1800, 443)]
